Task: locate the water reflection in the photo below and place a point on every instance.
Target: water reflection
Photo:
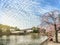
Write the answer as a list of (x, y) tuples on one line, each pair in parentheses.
[(1, 41), (35, 36), (4, 40), (33, 39)]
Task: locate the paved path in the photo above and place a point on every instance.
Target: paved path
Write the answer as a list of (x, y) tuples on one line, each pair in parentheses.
[(52, 43)]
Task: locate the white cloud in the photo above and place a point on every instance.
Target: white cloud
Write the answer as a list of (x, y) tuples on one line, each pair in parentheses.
[(22, 13)]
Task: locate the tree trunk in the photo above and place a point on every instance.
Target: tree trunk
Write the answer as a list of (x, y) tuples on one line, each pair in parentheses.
[(56, 33)]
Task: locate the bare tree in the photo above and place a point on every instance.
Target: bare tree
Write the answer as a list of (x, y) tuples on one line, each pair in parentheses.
[(51, 18)]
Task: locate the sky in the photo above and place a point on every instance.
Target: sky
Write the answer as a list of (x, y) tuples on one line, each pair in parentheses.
[(25, 13)]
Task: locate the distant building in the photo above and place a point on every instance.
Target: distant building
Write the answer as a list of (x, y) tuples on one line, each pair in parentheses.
[(12, 30)]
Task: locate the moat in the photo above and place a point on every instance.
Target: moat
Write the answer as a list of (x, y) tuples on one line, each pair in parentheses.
[(31, 39)]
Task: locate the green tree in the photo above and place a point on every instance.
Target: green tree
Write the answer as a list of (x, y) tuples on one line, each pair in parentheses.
[(8, 32), (0, 31), (35, 29), (17, 29)]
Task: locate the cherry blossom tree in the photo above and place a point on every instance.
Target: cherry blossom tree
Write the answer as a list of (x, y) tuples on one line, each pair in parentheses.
[(51, 18)]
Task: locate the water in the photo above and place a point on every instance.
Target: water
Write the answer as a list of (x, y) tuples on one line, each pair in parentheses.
[(33, 39)]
